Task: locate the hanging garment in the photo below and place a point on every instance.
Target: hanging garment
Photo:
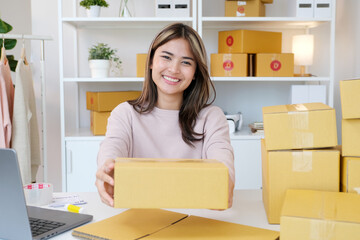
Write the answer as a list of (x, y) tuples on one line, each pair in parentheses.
[(6, 104), (25, 138)]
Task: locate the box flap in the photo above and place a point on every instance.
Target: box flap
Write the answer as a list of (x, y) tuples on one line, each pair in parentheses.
[(194, 227), (131, 224), (335, 206), (295, 108), (169, 162)]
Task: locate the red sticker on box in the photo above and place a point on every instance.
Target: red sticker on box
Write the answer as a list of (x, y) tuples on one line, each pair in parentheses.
[(229, 41), (275, 65), (91, 101), (241, 9), (228, 65)]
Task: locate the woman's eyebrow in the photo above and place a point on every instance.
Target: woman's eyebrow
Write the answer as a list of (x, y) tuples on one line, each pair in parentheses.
[(171, 54)]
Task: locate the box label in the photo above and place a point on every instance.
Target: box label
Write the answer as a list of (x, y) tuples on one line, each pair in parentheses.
[(229, 41), (275, 65), (228, 65)]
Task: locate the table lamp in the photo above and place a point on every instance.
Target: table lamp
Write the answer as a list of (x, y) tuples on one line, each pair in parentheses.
[(303, 49)]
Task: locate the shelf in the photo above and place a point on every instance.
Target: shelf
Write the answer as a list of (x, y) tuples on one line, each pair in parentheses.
[(121, 22), (100, 80), (261, 22), (270, 79)]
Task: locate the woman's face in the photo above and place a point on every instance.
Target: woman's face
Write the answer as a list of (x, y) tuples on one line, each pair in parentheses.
[(173, 68)]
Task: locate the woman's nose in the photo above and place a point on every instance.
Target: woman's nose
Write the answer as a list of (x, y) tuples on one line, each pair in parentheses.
[(174, 67)]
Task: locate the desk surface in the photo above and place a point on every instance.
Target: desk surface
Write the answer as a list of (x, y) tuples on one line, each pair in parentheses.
[(247, 209)]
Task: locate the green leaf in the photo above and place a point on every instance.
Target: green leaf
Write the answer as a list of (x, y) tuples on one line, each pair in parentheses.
[(9, 43), (5, 27), (12, 64)]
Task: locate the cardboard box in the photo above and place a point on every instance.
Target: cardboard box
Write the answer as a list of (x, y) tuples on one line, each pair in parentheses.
[(350, 177), (253, 8), (351, 137), (301, 8), (162, 224), (322, 8), (274, 65), (107, 101), (170, 183), (140, 64), (98, 122), (320, 215), (172, 8), (228, 65), (298, 126), (316, 169), (249, 41), (308, 94), (350, 98)]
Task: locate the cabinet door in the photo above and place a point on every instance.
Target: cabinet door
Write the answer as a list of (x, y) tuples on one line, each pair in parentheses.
[(247, 155), (81, 165)]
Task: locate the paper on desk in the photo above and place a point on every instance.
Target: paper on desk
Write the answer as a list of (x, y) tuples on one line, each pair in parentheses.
[(61, 201)]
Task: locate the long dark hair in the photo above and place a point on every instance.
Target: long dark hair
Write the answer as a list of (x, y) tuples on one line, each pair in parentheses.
[(195, 97)]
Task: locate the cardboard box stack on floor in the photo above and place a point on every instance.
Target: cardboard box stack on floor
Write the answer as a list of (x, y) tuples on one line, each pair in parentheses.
[(101, 104), (245, 8), (244, 53), (298, 152), (350, 160)]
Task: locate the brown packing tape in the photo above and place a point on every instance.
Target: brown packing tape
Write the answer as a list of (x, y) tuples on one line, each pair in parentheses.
[(322, 229), (302, 161)]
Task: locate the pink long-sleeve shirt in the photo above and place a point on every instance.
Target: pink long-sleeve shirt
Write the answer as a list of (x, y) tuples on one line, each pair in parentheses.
[(158, 135)]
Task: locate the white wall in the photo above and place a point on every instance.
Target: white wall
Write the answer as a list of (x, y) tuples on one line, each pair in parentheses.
[(44, 22)]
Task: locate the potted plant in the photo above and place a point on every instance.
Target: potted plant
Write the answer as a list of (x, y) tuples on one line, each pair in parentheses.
[(101, 57), (93, 7)]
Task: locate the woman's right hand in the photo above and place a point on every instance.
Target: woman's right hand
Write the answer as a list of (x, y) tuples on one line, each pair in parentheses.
[(105, 182)]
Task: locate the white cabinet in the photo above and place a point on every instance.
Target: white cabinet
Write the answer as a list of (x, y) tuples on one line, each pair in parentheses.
[(133, 35), (81, 165)]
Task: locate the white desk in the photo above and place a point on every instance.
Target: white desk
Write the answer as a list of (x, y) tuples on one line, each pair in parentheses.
[(247, 209)]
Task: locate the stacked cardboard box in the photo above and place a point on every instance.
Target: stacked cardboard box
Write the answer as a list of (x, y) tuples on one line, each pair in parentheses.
[(251, 53), (140, 64), (298, 152), (101, 104), (310, 214), (245, 8), (350, 161)]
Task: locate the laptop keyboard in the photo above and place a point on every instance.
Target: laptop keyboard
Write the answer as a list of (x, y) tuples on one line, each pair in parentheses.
[(40, 226)]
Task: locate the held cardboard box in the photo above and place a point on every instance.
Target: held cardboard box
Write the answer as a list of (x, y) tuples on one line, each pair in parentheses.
[(316, 169), (228, 65), (350, 174), (322, 8), (274, 65), (249, 41), (98, 122), (170, 183), (298, 126), (320, 215), (350, 98), (107, 101), (301, 8), (252, 8), (140, 64), (350, 137), (163, 224)]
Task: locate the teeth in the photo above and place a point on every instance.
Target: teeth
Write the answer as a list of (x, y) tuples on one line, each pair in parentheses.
[(171, 79)]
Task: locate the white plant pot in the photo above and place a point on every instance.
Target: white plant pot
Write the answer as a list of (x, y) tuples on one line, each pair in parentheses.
[(99, 68), (94, 11)]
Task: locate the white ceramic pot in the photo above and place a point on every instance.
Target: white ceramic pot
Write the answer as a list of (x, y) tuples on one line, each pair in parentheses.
[(94, 11), (99, 68)]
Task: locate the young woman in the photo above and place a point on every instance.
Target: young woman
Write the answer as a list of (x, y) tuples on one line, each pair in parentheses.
[(173, 117)]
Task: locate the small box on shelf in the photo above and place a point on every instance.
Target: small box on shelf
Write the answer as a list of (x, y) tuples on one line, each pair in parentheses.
[(254, 8), (172, 8), (228, 65), (274, 65), (322, 8), (301, 8), (140, 64)]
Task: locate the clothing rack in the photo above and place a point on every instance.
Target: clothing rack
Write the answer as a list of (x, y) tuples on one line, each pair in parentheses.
[(43, 88)]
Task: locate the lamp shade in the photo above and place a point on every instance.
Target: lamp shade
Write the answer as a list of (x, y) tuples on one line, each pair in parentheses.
[(303, 49)]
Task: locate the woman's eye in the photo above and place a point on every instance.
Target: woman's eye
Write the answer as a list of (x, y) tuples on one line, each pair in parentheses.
[(187, 63), (166, 57)]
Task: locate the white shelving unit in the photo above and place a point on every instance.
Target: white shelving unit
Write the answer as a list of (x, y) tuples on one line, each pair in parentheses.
[(133, 35)]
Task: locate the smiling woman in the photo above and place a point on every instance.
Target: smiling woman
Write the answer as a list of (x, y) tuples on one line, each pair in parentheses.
[(173, 117)]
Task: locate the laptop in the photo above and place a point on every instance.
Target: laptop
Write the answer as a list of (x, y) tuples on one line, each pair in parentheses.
[(18, 221)]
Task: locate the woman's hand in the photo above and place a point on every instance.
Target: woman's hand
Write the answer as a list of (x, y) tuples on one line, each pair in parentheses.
[(105, 182)]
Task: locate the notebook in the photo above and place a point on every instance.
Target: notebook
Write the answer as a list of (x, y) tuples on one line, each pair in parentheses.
[(16, 217)]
